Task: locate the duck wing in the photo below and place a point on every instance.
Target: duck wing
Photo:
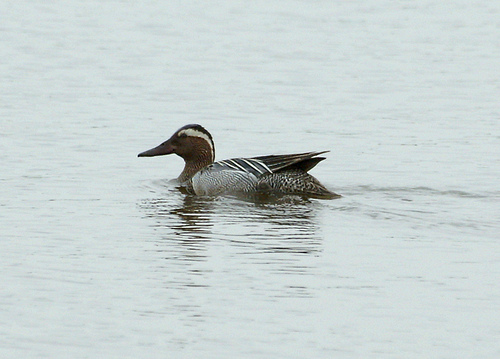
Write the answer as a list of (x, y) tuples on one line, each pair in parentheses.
[(262, 165), (303, 161)]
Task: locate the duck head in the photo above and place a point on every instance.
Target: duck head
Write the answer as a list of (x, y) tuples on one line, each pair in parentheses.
[(191, 142)]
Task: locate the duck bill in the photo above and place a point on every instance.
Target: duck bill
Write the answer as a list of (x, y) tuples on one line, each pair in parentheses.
[(163, 149)]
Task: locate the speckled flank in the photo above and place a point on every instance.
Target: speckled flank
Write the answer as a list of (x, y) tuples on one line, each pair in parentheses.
[(294, 181)]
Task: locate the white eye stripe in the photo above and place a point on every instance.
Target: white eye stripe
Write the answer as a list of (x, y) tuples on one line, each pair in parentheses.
[(195, 133), (191, 132)]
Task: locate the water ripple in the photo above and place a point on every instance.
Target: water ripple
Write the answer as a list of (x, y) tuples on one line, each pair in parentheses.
[(287, 224)]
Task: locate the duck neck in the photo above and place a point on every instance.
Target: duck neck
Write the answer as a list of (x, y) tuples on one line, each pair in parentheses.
[(193, 164)]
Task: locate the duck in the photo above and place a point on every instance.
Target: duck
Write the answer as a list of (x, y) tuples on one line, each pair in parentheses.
[(272, 174)]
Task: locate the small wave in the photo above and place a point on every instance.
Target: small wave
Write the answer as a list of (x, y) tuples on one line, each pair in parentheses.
[(417, 190)]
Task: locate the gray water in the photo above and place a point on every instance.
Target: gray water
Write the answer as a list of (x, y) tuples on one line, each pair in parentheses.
[(102, 257)]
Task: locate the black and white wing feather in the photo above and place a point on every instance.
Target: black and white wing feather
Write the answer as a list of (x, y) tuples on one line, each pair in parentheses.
[(263, 165), (248, 165)]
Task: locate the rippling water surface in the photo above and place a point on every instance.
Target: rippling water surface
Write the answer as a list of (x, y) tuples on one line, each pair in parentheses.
[(102, 256)]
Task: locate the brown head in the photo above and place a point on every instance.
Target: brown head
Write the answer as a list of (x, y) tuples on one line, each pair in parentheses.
[(193, 143)]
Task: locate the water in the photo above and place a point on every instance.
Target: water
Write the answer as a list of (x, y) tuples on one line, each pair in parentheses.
[(103, 257)]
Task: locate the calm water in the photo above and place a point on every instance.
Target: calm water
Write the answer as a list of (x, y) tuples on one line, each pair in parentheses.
[(103, 257)]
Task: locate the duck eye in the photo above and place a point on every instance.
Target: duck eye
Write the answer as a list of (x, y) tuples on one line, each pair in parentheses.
[(182, 135)]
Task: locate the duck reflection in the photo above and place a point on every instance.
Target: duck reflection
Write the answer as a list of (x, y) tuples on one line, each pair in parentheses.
[(205, 239), (183, 220), (262, 224)]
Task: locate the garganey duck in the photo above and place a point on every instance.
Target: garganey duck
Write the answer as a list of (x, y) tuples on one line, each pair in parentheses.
[(286, 174)]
